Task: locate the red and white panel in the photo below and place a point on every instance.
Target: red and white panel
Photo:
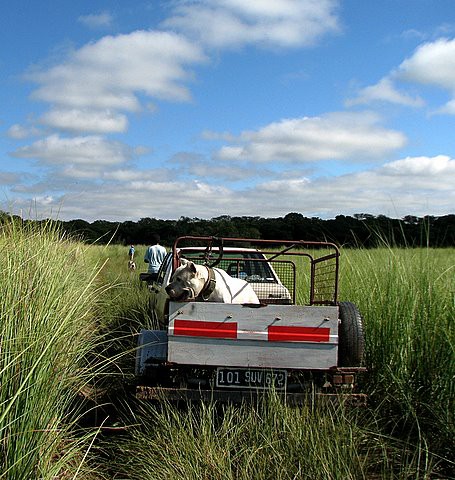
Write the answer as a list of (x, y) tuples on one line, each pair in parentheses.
[(231, 330)]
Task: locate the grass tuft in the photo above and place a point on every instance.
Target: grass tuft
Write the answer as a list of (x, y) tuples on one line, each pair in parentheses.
[(47, 330)]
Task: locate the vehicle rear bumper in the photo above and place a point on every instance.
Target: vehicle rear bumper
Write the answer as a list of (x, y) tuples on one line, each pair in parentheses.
[(249, 396)]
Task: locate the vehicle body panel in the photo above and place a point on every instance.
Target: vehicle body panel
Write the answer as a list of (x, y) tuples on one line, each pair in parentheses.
[(273, 336)]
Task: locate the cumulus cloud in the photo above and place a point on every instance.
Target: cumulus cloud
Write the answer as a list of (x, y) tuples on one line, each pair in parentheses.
[(44, 201), (432, 63), (19, 132), (330, 137), (83, 151), (111, 72), (232, 23), (125, 72), (192, 165), (421, 166), (132, 175), (94, 89), (8, 178), (385, 91), (448, 108), (85, 120), (413, 185)]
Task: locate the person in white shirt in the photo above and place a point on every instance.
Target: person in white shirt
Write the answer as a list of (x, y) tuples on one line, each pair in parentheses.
[(154, 256)]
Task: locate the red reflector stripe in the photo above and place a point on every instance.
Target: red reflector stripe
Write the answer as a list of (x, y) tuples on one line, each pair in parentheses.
[(298, 334), (205, 329)]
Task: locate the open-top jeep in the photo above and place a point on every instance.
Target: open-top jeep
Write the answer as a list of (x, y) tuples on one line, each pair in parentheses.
[(299, 340)]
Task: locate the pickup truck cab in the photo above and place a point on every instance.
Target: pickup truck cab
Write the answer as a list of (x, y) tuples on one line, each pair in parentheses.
[(232, 351)]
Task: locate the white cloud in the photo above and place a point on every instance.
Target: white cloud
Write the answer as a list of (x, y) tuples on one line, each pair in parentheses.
[(44, 201), (8, 178), (431, 64), (97, 85), (19, 132), (415, 186), (294, 186), (334, 136), (85, 120), (130, 175), (384, 91), (228, 23), (80, 172), (90, 151), (448, 108), (99, 20), (110, 74), (418, 186), (198, 167), (422, 166)]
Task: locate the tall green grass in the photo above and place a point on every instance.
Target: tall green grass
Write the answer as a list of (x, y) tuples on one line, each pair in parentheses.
[(52, 310), (407, 299), (47, 331), (265, 441), (124, 310), (126, 303), (268, 441)]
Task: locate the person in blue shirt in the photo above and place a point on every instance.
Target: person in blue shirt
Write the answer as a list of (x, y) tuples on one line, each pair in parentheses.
[(154, 256), (131, 252)]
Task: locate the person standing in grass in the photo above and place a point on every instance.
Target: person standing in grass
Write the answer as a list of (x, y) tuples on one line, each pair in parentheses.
[(131, 253), (154, 256)]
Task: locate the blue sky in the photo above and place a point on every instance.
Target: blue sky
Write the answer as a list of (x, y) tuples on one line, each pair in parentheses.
[(121, 110)]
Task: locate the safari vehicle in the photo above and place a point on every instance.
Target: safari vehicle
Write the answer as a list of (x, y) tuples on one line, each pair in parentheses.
[(298, 340)]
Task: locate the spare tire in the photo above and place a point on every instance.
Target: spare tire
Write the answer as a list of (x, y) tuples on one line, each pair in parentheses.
[(351, 340)]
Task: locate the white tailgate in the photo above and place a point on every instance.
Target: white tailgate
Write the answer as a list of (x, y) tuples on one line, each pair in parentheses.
[(278, 336)]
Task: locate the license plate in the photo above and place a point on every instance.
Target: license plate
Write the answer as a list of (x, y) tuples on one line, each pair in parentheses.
[(253, 378)]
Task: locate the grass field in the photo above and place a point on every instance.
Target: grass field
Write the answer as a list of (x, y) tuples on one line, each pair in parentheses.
[(68, 316)]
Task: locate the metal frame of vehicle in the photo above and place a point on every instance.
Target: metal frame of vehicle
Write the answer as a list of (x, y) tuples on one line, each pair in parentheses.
[(324, 267)]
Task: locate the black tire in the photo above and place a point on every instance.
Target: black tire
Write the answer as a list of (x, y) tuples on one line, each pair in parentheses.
[(351, 339)]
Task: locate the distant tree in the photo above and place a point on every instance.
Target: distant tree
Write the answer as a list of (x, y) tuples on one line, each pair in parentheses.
[(362, 229), (79, 228), (442, 231), (411, 220), (363, 216)]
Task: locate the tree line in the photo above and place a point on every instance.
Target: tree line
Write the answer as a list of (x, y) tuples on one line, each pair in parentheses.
[(359, 230)]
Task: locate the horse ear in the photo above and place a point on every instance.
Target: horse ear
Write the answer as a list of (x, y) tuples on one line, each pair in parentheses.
[(183, 261), (192, 267)]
